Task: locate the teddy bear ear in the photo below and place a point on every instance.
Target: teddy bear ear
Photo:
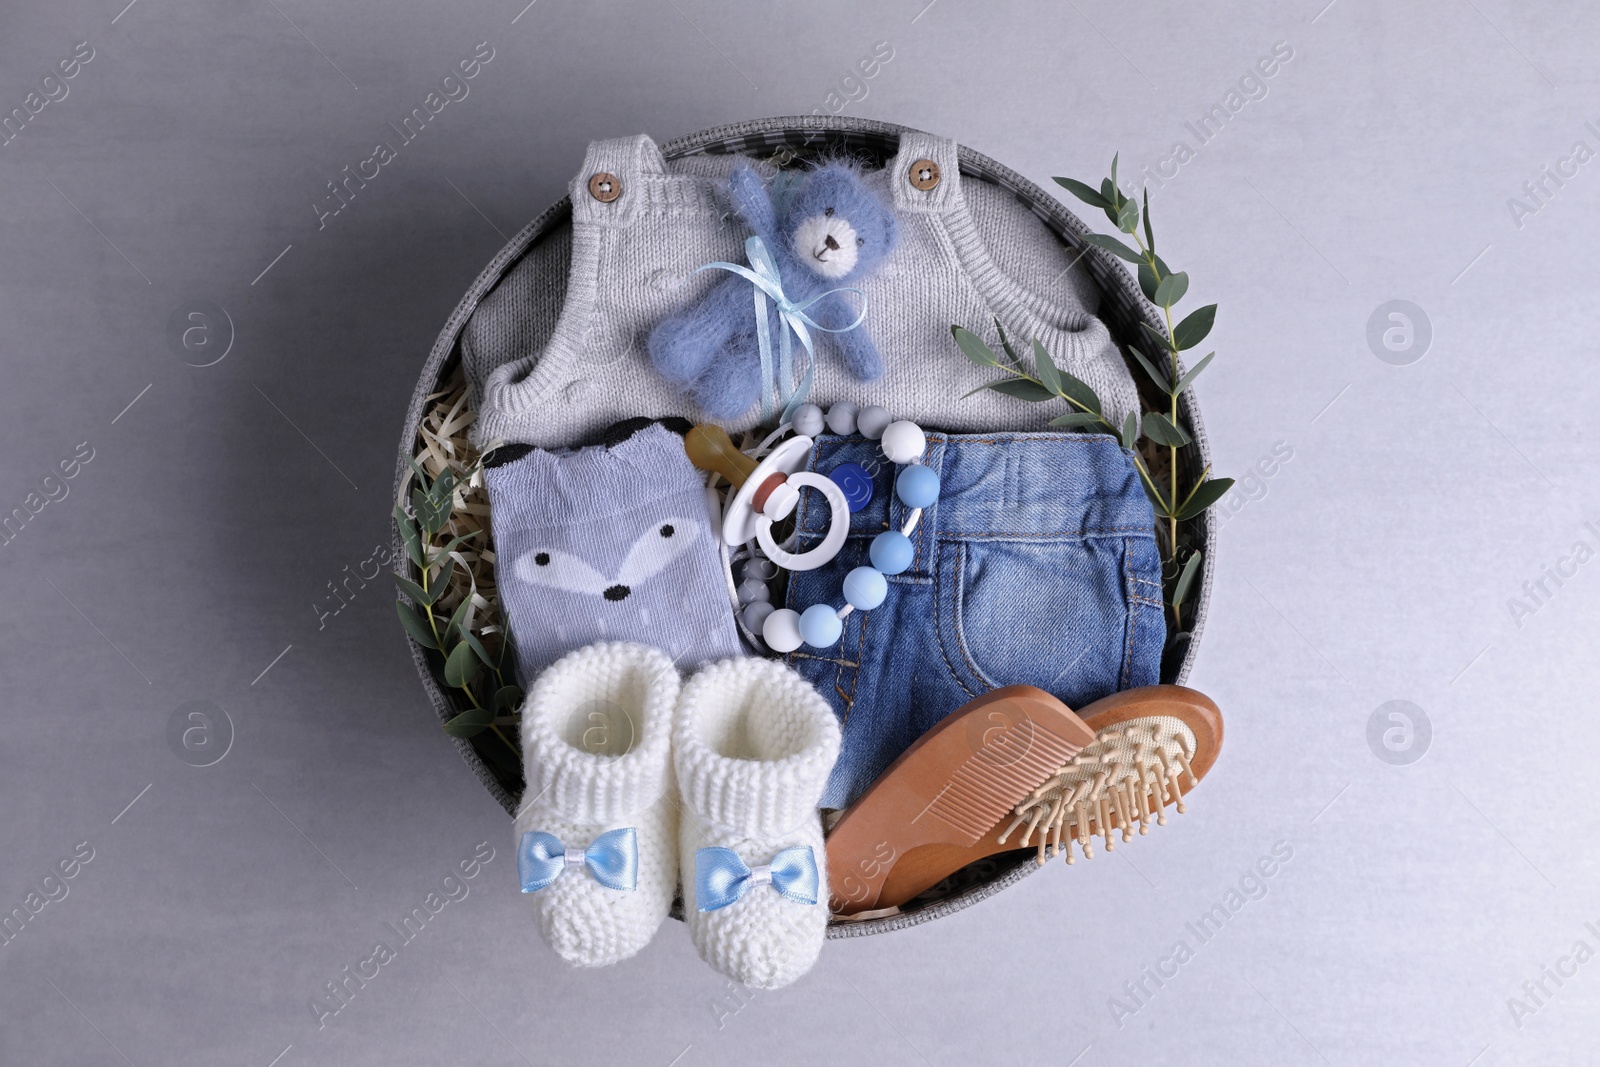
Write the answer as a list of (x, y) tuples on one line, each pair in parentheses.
[(750, 198)]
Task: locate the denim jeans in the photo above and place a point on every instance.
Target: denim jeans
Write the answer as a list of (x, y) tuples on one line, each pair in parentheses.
[(1038, 565)]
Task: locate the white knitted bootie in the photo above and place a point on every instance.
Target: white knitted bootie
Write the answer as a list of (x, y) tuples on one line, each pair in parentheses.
[(753, 744), (597, 834)]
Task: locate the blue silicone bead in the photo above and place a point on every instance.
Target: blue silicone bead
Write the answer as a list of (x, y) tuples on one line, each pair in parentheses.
[(865, 588), (820, 626), (891, 552), (917, 486)]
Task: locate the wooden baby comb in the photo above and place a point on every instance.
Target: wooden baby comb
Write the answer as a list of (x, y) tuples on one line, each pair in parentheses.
[(946, 792)]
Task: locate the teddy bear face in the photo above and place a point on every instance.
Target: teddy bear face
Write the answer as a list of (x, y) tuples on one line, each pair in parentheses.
[(837, 225)]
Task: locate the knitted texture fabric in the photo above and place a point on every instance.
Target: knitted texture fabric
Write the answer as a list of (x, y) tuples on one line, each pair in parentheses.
[(609, 543), (596, 737), (962, 258), (752, 746)]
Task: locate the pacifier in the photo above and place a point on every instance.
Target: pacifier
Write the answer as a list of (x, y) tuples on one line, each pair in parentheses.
[(767, 492)]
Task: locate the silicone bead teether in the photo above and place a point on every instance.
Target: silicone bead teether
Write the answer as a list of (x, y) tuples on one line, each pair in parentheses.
[(872, 421), (865, 588), (820, 626), (903, 442), (891, 552), (807, 420), (781, 630), (917, 487), (842, 417)]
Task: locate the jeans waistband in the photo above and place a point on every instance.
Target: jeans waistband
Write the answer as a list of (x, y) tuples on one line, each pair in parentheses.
[(996, 485)]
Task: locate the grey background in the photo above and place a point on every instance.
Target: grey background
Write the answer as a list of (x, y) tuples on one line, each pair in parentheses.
[(1377, 564)]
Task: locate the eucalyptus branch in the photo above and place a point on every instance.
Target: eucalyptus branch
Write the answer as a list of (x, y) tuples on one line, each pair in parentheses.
[(465, 654)]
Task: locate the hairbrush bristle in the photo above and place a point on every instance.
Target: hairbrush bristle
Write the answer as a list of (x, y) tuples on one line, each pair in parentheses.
[(1130, 774)]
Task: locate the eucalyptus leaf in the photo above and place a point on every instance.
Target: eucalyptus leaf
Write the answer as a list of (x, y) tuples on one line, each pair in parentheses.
[(1128, 216), (1205, 494), (1108, 193), (412, 590), (422, 475), (441, 580), (1114, 175), (1114, 246), (1005, 343), (1149, 238), (473, 640), (1082, 192), (1193, 329), (1150, 369), (1130, 431), (507, 698), (1045, 368), (1077, 391), (1171, 289), (458, 619), (973, 347), (429, 515), (1186, 577), (1157, 501), (1077, 419), (409, 536), (442, 492), (1022, 389), (461, 666), (1163, 343), (1194, 372), (1148, 281), (1163, 431), (469, 723), (419, 630)]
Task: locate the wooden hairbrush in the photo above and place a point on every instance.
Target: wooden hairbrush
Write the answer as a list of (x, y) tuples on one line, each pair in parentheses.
[(1147, 748)]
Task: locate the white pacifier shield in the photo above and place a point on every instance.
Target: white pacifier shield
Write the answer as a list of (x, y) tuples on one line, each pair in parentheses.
[(739, 520)]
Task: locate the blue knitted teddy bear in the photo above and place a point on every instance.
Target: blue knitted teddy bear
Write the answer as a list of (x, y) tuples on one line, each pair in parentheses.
[(830, 233)]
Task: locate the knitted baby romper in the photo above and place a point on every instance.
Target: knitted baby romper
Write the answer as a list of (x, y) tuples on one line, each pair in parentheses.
[(968, 253)]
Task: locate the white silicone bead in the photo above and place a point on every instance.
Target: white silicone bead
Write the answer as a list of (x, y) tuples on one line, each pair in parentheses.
[(755, 616), (781, 630), (903, 442), (842, 417), (807, 420), (872, 421)]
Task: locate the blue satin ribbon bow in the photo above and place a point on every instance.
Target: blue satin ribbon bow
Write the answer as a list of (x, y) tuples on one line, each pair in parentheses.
[(613, 859), (791, 316), (721, 877)]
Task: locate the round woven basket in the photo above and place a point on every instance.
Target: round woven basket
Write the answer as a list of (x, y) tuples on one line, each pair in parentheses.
[(782, 141)]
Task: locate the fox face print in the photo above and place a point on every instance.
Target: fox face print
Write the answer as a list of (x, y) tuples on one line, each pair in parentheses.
[(654, 550)]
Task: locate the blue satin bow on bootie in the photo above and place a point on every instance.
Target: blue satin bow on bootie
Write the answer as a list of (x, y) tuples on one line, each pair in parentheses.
[(721, 877), (613, 859)]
